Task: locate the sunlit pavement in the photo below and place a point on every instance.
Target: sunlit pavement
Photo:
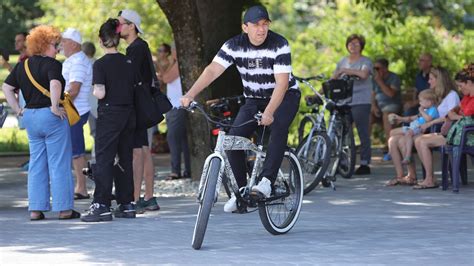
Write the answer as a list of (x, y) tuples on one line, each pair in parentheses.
[(362, 222)]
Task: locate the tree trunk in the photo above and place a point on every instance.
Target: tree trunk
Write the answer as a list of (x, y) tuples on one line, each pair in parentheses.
[(220, 22), (200, 27)]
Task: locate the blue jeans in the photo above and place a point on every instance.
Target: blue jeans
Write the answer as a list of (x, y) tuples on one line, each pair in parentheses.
[(49, 171)]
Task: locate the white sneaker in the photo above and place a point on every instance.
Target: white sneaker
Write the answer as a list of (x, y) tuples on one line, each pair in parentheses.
[(264, 187), (231, 204)]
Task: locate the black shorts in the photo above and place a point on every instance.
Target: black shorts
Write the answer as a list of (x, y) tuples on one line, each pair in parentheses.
[(140, 138)]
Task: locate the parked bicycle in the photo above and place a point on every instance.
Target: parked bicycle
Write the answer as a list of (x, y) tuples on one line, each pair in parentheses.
[(278, 213), (327, 151)]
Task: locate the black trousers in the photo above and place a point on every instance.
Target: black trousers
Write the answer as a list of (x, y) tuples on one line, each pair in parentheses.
[(283, 117), (114, 136)]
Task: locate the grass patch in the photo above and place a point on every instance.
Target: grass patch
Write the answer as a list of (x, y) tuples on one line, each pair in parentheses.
[(16, 140)]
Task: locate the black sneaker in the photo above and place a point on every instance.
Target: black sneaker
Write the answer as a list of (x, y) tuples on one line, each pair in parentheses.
[(147, 205), (125, 211), (97, 213), (363, 170)]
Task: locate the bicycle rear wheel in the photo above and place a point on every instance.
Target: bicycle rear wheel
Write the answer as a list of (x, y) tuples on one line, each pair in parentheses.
[(207, 200), (348, 154), (314, 157), (280, 215)]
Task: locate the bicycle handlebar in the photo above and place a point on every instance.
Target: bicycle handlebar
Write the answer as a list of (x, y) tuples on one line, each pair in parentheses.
[(218, 100), (318, 77), (195, 105)]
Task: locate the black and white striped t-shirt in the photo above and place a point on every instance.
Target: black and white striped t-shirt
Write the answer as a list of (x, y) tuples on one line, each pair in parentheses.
[(258, 64)]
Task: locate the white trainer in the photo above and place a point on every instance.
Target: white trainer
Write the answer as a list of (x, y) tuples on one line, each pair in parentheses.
[(264, 187), (231, 204)]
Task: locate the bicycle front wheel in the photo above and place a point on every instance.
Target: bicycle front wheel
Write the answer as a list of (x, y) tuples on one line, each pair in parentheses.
[(314, 156), (207, 200), (280, 215)]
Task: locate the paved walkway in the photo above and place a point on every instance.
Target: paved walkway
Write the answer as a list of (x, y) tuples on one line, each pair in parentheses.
[(362, 222)]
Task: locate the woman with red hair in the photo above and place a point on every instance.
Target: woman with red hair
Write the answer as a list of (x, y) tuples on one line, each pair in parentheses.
[(49, 172)]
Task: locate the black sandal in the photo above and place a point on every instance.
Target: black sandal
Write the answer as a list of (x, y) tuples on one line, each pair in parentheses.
[(74, 215), (40, 217), (173, 177), (79, 196)]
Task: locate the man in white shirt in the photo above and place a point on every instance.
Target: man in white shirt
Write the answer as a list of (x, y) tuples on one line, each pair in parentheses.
[(77, 72)]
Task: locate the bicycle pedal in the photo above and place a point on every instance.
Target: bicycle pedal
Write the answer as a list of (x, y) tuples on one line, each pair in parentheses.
[(240, 210)]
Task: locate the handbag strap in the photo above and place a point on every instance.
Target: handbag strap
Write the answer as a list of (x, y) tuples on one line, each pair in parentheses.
[(154, 80), (34, 82)]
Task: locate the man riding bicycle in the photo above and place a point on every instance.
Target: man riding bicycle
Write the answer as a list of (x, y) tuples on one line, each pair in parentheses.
[(263, 59)]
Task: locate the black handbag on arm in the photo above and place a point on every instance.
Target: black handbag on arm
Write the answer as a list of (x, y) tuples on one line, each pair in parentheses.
[(150, 102)]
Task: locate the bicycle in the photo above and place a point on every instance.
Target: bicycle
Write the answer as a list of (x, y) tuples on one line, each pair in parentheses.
[(337, 96), (314, 149), (278, 213)]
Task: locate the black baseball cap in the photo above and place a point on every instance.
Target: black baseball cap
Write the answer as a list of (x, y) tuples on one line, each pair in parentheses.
[(256, 13)]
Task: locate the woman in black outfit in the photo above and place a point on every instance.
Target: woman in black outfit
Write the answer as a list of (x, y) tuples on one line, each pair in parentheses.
[(113, 79)]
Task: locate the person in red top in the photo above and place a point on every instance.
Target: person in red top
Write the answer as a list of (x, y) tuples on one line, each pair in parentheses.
[(464, 115)]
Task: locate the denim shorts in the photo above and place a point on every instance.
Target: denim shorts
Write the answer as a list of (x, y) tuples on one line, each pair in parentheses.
[(77, 137), (415, 126), (390, 108)]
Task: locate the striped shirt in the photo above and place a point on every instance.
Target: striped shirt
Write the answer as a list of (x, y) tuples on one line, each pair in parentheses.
[(78, 68), (257, 65)]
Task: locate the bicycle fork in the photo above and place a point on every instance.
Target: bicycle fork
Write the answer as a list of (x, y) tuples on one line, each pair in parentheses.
[(205, 176)]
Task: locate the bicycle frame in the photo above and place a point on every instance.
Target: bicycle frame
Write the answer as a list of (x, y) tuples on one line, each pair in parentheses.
[(231, 143), (335, 135), (318, 118)]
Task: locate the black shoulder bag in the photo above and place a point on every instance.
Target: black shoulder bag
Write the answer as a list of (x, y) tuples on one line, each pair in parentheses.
[(150, 102)]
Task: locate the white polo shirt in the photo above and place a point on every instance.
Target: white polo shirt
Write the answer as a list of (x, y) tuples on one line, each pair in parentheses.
[(174, 92), (78, 68)]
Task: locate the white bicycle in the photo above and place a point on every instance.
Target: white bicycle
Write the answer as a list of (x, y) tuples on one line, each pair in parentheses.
[(278, 213)]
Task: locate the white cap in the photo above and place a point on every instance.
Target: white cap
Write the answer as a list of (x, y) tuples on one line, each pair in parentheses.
[(72, 34), (133, 17)]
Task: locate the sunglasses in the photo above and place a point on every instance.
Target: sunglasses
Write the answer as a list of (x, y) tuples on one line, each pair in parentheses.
[(377, 68), (56, 45)]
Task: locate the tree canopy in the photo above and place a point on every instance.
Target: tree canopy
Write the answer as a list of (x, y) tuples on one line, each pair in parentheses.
[(88, 15), (16, 16)]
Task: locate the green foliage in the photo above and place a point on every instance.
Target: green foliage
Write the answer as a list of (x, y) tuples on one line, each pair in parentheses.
[(13, 139), (318, 44), (88, 15), (15, 16), (450, 13)]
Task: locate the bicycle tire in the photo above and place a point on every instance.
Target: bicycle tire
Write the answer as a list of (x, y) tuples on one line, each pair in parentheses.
[(205, 206), (301, 128), (294, 182), (317, 160), (347, 159)]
